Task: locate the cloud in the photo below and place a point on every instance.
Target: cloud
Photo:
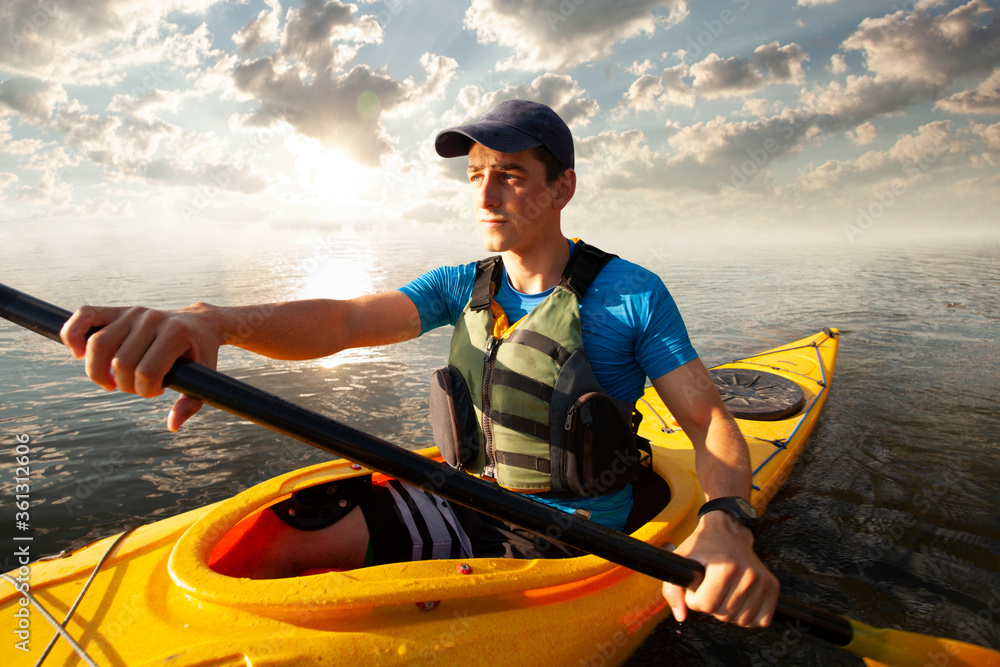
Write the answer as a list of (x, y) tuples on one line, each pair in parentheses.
[(863, 98), (176, 173), (612, 147), (783, 64), (324, 36), (931, 147), (145, 102), (342, 111), (264, 29), (838, 64), (929, 50), (732, 77), (722, 155), (559, 91), (863, 134), (91, 42), (912, 59), (123, 142), (557, 35), (306, 84), (650, 92), (30, 98), (716, 77), (707, 156), (984, 98), (50, 190), (989, 135), (7, 179)]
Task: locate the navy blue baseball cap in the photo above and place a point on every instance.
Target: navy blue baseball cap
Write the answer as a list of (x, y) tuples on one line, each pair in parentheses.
[(511, 127)]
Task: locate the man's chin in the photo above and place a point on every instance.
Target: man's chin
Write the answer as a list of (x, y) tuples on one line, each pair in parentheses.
[(492, 242)]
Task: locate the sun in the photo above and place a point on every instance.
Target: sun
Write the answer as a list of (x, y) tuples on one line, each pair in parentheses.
[(327, 173)]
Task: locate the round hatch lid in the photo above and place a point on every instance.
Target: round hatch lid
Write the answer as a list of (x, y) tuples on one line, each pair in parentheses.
[(759, 395)]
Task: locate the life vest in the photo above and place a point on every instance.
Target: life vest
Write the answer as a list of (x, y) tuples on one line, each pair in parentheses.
[(519, 404)]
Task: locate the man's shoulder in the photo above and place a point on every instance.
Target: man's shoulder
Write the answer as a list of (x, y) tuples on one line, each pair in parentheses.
[(625, 276)]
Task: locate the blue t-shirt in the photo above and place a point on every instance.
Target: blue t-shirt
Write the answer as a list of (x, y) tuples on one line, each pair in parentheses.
[(631, 330)]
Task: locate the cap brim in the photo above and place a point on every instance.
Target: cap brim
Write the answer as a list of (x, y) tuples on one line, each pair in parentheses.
[(495, 135)]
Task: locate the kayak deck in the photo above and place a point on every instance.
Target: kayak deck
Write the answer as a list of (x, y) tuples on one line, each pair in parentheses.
[(155, 599)]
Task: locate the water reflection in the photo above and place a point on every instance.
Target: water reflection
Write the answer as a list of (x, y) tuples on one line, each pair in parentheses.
[(890, 516)]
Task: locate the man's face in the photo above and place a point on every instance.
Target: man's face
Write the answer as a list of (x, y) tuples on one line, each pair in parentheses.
[(515, 207)]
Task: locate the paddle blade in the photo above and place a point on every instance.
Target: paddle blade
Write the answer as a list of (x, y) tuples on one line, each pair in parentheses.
[(896, 648)]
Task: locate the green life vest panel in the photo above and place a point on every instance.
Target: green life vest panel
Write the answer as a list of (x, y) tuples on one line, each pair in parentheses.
[(521, 406)]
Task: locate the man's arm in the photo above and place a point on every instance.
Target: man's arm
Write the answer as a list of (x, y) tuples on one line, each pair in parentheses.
[(737, 588), (137, 346)]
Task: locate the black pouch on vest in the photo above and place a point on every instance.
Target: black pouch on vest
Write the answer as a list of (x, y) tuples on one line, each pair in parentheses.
[(600, 453), (453, 419)]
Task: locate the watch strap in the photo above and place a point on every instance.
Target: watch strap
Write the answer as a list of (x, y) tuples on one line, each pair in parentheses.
[(734, 506)]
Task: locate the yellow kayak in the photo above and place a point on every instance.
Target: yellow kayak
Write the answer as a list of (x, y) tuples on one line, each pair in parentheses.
[(149, 597)]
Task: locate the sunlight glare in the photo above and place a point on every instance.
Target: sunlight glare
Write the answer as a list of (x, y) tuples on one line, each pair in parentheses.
[(331, 272), (326, 172)]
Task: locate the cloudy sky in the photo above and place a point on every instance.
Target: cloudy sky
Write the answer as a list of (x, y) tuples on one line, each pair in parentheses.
[(832, 115)]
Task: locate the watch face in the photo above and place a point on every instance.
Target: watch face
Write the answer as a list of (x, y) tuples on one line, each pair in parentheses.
[(746, 508)]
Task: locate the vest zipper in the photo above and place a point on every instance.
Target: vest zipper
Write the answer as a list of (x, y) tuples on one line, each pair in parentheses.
[(492, 344)]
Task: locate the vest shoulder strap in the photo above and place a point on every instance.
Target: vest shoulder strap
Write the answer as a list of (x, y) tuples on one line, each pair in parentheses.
[(488, 273), (586, 262), (583, 266)]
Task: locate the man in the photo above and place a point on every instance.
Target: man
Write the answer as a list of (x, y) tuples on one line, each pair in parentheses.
[(521, 174)]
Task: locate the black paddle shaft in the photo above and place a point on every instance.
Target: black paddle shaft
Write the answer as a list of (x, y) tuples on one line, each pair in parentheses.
[(275, 413)]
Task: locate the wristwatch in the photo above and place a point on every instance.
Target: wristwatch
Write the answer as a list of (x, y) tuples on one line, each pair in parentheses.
[(734, 506)]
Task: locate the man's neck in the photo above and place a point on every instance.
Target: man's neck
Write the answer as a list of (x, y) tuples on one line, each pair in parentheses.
[(540, 268)]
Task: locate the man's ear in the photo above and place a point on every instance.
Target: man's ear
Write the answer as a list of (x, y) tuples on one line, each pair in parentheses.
[(564, 189)]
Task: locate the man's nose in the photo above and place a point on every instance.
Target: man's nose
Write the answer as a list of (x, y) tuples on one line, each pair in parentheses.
[(489, 191)]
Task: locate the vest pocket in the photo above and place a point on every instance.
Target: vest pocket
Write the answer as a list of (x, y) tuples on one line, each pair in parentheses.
[(600, 453), (453, 418)]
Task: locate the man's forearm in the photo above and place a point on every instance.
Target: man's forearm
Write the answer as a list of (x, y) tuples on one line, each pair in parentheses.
[(723, 462), (316, 328), (291, 330)]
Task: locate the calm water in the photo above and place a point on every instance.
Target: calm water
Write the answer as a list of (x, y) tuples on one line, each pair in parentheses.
[(891, 516)]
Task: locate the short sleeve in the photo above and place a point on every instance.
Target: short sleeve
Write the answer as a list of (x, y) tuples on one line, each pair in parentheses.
[(663, 342), (632, 329), (440, 295)]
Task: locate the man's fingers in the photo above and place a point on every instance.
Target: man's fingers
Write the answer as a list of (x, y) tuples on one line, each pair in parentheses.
[(184, 408), (746, 598), (74, 331), (136, 347), (764, 600), (125, 365), (674, 595), (715, 594)]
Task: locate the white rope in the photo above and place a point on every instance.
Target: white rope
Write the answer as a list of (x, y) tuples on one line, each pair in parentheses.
[(54, 623), (60, 628)]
